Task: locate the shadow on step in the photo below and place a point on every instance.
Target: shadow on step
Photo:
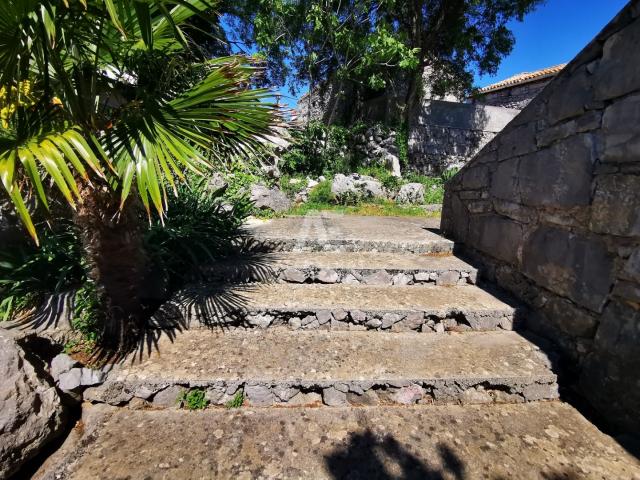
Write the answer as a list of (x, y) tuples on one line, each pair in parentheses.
[(382, 457), (368, 456)]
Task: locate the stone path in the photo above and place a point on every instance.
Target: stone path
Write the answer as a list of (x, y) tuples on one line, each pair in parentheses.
[(423, 377)]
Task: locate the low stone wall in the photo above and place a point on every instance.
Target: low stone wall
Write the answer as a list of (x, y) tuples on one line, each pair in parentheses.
[(446, 134), (551, 209)]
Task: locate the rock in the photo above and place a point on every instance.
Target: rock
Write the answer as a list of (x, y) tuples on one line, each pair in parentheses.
[(91, 377), (71, 380), (357, 186), (324, 316), (374, 323), (168, 398), (295, 323), (266, 198), (327, 276), (393, 164), (334, 397), (411, 193), (260, 320), (259, 395), (402, 279), (217, 183), (448, 278), (31, 413), (409, 395), (388, 319), (293, 275), (60, 364), (381, 277), (358, 316)]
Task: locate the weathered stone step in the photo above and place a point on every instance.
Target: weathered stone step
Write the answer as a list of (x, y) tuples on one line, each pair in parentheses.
[(425, 308), (351, 233), (335, 368), (346, 267), (527, 441)]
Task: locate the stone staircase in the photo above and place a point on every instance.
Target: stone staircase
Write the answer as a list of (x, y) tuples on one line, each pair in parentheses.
[(363, 349)]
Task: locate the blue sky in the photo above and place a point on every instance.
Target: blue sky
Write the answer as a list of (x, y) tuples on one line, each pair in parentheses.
[(554, 33)]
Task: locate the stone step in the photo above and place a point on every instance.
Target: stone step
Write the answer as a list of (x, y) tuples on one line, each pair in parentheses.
[(346, 267), (351, 233), (549, 440), (426, 308), (281, 367)]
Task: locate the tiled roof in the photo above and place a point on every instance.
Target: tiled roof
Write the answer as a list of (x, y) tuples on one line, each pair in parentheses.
[(524, 77)]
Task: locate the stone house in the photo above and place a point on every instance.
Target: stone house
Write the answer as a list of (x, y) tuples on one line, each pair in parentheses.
[(517, 91)]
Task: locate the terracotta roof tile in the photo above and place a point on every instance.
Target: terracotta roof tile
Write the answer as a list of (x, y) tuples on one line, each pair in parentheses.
[(524, 77)]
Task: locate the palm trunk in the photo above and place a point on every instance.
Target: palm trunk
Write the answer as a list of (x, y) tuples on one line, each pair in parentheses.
[(114, 246)]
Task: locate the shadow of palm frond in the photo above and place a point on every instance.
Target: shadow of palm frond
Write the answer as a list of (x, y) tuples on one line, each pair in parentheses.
[(52, 316), (370, 456)]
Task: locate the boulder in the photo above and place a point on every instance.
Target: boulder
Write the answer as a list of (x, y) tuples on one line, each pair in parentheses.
[(411, 193), (217, 183), (31, 413), (359, 186), (266, 198)]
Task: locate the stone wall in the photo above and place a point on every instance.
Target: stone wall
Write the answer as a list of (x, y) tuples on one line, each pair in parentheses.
[(446, 134), (517, 96), (551, 209)]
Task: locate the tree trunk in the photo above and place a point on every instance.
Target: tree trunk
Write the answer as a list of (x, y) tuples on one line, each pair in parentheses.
[(113, 242)]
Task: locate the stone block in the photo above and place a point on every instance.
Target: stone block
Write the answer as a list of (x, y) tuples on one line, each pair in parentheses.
[(619, 128), (475, 178), (496, 236), (455, 217), (504, 181), (631, 269), (618, 72), (576, 266), (388, 319), (334, 397), (616, 205), (515, 211), (327, 276), (448, 278), (516, 141), (567, 317), (571, 94), (168, 398), (380, 277), (558, 176), (259, 395), (409, 395)]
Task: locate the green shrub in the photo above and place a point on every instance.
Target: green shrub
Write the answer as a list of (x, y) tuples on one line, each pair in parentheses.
[(29, 273), (199, 229), (292, 188), (318, 149), (383, 175), (236, 401), (402, 143), (321, 193), (194, 399)]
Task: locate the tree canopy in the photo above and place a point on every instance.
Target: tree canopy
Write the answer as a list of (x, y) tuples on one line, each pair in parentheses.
[(371, 42)]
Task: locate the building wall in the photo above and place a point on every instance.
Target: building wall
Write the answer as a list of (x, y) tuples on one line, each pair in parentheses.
[(551, 209), (517, 96), (446, 134)]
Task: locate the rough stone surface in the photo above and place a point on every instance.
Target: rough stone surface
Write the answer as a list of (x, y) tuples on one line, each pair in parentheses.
[(351, 233), (266, 198), (560, 214), (60, 364), (271, 305), (538, 440), (444, 365), (357, 186), (30, 410), (411, 193), (71, 380)]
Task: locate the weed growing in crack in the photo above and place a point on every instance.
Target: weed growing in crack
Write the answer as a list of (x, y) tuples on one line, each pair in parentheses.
[(193, 399), (236, 401)]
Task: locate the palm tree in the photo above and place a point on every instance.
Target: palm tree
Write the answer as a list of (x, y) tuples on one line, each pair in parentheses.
[(105, 104)]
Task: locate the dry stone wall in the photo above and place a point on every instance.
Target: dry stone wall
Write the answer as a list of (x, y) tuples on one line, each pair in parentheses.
[(447, 134), (551, 209)]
